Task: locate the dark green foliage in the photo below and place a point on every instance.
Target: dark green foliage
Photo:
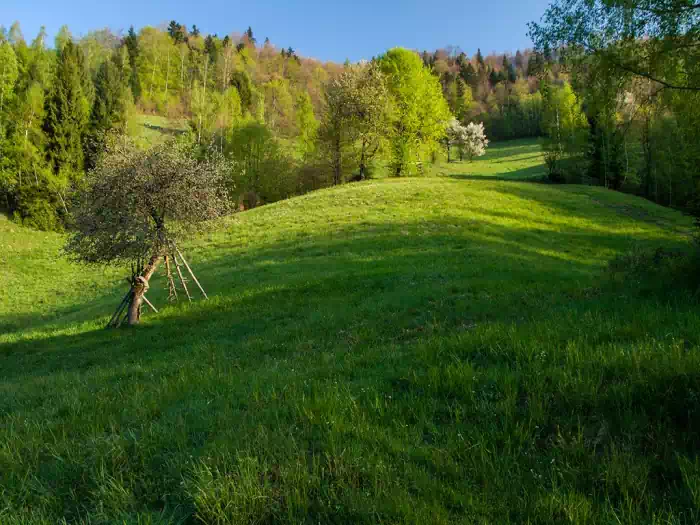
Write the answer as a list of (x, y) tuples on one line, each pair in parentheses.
[(262, 172), (210, 48), (242, 82), (177, 32), (67, 114), (132, 44), (112, 101), (250, 37), (38, 208)]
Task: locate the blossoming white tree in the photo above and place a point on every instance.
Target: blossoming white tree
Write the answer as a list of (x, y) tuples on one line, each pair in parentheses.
[(475, 141)]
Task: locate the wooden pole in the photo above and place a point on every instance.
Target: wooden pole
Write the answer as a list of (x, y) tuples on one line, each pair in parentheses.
[(191, 273), (182, 279), (120, 309), (149, 304), (172, 292)]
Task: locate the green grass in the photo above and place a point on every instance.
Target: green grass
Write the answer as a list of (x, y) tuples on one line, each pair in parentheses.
[(510, 160), (428, 350), (155, 129)]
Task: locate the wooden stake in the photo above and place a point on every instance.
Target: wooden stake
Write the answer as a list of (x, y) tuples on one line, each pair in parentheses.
[(120, 309), (191, 273), (149, 303), (172, 291), (182, 279), (126, 316)]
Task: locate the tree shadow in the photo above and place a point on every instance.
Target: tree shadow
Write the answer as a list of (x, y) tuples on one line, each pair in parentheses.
[(406, 269), (531, 174)]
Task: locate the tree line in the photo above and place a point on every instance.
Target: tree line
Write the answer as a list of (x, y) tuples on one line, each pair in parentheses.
[(625, 112), (288, 123)]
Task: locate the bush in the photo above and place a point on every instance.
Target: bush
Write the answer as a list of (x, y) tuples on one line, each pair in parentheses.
[(661, 271), (37, 209), (261, 166)]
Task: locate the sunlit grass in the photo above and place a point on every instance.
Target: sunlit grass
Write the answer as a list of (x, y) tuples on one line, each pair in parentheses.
[(428, 350)]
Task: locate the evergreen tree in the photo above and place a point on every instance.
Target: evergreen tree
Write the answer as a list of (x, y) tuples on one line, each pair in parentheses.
[(519, 61), (62, 38), (250, 37), (112, 101), (464, 100), (480, 59), (176, 32), (132, 44), (468, 74), (195, 31), (67, 114)]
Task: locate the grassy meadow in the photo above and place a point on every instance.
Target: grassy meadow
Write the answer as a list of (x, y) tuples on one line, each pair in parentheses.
[(444, 349)]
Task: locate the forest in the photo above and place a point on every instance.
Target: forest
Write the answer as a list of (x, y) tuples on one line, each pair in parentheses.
[(290, 124)]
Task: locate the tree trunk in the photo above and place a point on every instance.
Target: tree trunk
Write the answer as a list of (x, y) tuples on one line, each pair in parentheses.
[(362, 162), (140, 288), (336, 162)]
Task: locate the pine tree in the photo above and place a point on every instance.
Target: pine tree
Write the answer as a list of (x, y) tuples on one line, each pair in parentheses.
[(67, 114), (480, 59), (249, 35), (132, 44), (519, 60), (176, 32), (112, 101), (195, 31)]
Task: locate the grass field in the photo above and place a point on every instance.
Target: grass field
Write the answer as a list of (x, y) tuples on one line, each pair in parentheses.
[(431, 350), (512, 160)]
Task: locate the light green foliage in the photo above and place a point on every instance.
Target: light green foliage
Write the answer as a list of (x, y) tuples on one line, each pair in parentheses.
[(231, 111), (62, 38), (279, 106), (307, 125), (419, 110), (566, 128), (98, 47), (203, 111), (8, 78), (636, 66), (262, 170), (26, 163), (398, 351), (158, 66)]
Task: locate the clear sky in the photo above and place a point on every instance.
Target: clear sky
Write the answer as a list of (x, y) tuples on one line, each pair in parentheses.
[(323, 29)]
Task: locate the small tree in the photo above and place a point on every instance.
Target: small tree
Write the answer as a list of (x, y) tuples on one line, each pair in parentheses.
[(139, 205), (475, 141), (454, 135)]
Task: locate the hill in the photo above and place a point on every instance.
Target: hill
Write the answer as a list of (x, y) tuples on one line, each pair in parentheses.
[(428, 350)]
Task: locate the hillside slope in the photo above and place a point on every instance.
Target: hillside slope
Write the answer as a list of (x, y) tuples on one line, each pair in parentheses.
[(435, 350)]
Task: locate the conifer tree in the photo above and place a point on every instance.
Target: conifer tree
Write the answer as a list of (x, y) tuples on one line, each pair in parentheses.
[(112, 101), (249, 35), (67, 114), (480, 59), (132, 44)]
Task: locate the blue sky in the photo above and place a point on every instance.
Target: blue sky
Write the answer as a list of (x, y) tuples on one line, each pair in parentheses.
[(323, 29)]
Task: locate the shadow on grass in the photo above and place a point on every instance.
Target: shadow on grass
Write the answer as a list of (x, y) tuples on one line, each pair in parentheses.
[(386, 277), (531, 174), (397, 352)]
